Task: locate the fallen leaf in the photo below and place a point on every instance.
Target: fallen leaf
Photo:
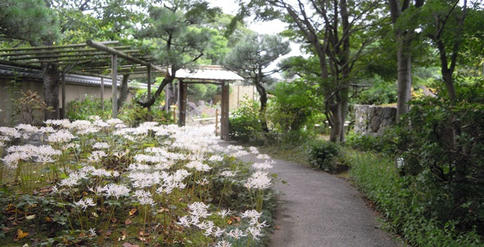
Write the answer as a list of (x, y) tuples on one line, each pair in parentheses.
[(21, 234), (132, 211), (127, 221), (48, 219)]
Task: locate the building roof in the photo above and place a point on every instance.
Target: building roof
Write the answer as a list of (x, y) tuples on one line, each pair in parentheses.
[(36, 74), (208, 73)]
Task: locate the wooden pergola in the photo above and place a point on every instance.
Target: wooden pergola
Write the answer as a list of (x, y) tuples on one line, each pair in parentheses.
[(212, 74), (100, 58), (90, 58)]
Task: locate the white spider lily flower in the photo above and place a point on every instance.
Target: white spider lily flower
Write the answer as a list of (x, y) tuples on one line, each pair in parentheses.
[(144, 179), (253, 150), (216, 158), (252, 215), (228, 174), (85, 203), (258, 180), (10, 132), (255, 232), (100, 145), (263, 166), (114, 190), (144, 197), (263, 157), (223, 243), (218, 232), (96, 156), (199, 209), (60, 136), (224, 213), (199, 166), (114, 121), (27, 128), (184, 221), (236, 233)]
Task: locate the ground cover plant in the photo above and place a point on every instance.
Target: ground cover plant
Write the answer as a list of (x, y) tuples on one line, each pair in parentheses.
[(97, 183)]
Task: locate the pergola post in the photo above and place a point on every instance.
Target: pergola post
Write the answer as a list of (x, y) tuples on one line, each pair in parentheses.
[(149, 84), (63, 112), (224, 118), (114, 84), (102, 93), (182, 107)]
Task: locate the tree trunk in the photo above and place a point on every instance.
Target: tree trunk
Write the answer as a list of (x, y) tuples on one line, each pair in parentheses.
[(404, 81), (50, 77), (169, 96), (124, 91), (263, 105), (167, 80)]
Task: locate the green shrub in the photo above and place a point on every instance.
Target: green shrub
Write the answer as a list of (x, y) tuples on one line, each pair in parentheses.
[(244, 125), (381, 92), (133, 114), (294, 106), (324, 155), (364, 142), (402, 201), (82, 109), (442, 146)]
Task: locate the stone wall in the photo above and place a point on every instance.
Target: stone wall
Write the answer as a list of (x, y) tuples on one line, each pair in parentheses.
[(372, 119)]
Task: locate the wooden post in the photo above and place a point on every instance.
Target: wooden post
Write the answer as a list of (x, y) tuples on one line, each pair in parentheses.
[(102, 93), (114, 85), (216, 122), (224, 118), (182, 91), (149, 85), (63, 112)]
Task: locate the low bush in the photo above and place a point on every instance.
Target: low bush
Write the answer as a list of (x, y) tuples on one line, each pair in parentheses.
[(82, 109), (245, 125), (404, 203), (324, 155)]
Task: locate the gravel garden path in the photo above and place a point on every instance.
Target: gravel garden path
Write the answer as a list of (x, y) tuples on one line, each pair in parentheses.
[(318, 209)]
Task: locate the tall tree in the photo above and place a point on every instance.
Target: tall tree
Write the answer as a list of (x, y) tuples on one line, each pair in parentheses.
[(251, 57), (180, 39), (402, 15), (328, 26)]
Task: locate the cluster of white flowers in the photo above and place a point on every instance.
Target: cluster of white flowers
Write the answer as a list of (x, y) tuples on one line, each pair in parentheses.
[(40, 154), (144, 197), (100, 145), (8, 133), (216, 158), (198, 166), (85, 203), (263, 157), (171, 182), (96, 156), (60, 136), (258, 180), (228, 174), (114, 190), (263, 165)]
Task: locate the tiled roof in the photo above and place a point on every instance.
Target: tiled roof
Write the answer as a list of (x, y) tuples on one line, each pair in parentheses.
[(209, 73), (14, 71)]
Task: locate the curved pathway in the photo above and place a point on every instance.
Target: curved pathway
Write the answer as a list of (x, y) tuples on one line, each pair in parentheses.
[(318, 209)]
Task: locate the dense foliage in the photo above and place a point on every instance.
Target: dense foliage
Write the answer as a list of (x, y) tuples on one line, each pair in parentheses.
[(442, 145), (404, 202)]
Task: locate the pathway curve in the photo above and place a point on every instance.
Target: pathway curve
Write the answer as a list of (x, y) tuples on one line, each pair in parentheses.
[(318, 209)]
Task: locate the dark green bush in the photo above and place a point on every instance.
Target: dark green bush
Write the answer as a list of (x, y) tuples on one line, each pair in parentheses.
[(405, 205), (364, 142), (381, 92), (244, 125), (294, 106), (82, 109), (442, 144), (323, 154)]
